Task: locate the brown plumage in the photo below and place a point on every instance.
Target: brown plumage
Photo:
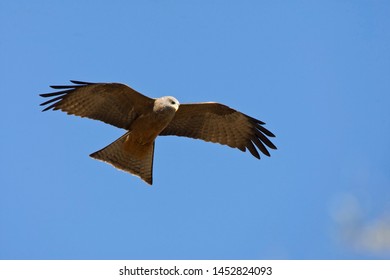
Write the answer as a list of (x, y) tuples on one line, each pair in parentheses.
[(146, 118)]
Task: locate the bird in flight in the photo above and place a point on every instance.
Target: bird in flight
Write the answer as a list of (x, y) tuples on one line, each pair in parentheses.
[(145, 118)]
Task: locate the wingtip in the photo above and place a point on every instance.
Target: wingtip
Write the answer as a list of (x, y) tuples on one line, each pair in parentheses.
[(272, 146), (47, 108), (77, 82), (271, 134), (58, 87)]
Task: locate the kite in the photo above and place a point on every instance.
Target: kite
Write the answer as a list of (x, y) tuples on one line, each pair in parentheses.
[(146, 118)]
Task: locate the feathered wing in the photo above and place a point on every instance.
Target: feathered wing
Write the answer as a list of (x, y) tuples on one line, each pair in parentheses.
[(218, 123), (130, 156), (112, 103)]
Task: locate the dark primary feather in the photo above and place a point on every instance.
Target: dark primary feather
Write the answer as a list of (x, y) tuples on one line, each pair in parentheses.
[(218, 123)]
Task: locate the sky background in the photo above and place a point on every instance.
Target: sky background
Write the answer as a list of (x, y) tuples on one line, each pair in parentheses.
[(317, 72)]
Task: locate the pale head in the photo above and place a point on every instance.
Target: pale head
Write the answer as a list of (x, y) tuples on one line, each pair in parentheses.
[(166, 103)]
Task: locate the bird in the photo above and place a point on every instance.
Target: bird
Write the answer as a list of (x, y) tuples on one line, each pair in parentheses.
[(145, 118)]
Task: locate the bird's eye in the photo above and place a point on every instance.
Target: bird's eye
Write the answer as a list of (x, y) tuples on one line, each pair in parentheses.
[(173, 102)]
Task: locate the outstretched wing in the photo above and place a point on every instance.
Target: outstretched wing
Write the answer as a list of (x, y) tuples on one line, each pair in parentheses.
[(112, 103), (218, 123)]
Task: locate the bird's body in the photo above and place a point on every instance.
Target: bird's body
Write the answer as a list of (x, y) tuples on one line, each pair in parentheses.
[(147, 127), (146, 118)]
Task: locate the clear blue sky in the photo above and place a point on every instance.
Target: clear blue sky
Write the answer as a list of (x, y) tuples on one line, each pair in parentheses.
[(317, 72)]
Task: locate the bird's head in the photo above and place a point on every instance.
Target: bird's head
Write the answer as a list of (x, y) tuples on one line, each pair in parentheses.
[(166, 103)]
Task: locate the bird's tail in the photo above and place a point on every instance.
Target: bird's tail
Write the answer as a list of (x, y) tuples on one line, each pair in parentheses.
[(130, 156)]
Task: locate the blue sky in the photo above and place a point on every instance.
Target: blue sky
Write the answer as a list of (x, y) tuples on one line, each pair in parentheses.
[(317, 72)]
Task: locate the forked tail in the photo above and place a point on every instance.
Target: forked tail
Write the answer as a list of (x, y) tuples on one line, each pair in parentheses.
[(129, 156)]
